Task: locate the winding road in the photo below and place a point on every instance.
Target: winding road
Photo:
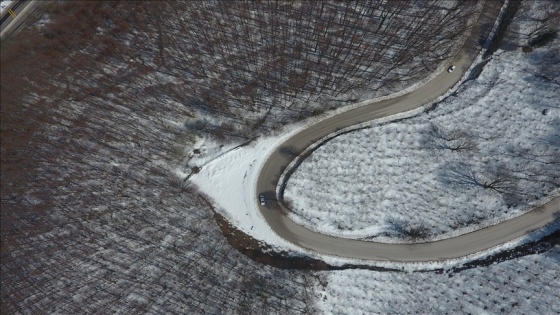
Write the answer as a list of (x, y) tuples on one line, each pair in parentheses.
[(455, 247)]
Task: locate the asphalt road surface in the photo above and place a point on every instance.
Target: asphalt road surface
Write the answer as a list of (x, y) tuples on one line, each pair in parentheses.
[(22, 9), (445, 249)]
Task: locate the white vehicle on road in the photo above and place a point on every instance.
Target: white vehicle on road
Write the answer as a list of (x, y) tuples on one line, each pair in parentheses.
[(450, 69), (262, 200)]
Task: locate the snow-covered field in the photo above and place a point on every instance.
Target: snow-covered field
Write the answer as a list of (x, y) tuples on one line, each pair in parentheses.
[(487, 153), (528, 285)]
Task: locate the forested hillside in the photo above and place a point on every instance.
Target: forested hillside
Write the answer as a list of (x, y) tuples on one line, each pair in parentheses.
[(100, 99)]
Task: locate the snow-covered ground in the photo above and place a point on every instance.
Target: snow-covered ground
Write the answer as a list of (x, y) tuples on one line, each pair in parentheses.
[(429, 176), (528, 285)]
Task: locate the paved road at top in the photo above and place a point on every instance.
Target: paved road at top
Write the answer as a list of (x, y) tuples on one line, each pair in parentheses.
[(449, 248), (23, 9)]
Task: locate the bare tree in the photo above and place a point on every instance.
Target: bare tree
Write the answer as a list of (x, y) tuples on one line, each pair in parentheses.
[(495, 177), (455, 140), (404, 228)]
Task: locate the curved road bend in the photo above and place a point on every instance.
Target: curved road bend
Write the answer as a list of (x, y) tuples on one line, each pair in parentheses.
[(445, 249)]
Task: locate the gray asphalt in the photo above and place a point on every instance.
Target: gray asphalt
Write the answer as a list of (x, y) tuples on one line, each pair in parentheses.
[(23, 10), (455, 247)]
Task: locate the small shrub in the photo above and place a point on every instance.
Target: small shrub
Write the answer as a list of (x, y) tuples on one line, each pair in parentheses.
[(418, 232), (543, 39)]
